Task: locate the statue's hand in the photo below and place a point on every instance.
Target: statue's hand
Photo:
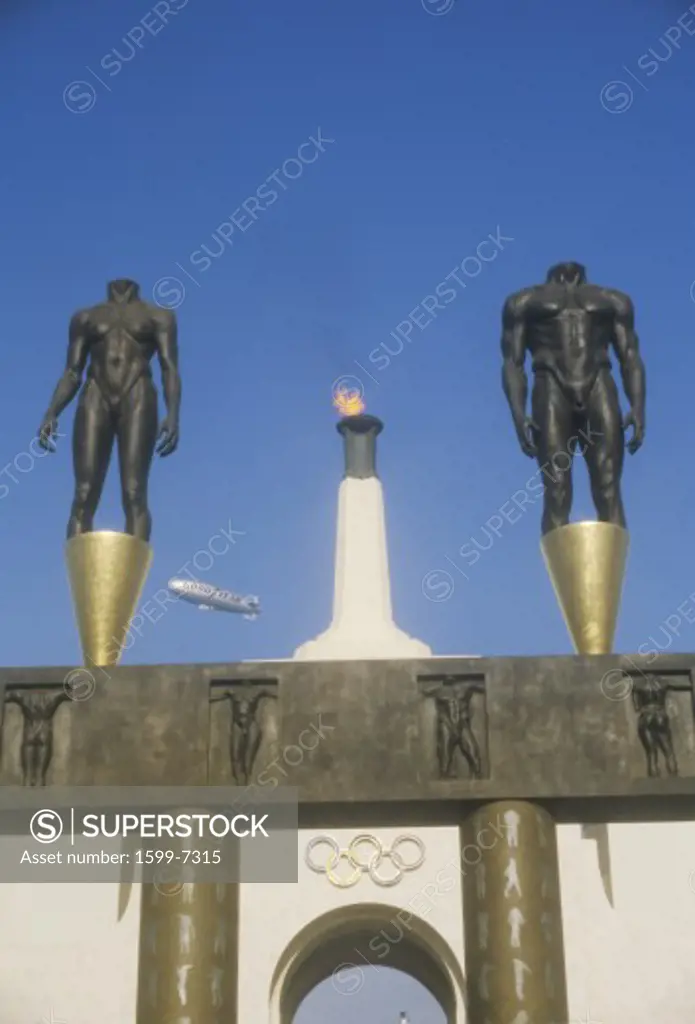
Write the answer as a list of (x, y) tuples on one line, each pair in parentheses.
[(47, 431), (168, 437), (637, 439), (526, 431)]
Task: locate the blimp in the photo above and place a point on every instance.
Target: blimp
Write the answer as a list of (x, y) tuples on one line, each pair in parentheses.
[(209, 598)]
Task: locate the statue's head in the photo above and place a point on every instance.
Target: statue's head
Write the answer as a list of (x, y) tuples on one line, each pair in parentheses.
[(567, 273), (123, 290)]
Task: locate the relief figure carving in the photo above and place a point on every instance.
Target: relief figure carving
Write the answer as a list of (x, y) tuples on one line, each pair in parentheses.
[(453, 698), (245, 731), (649, 699), (36, 751)]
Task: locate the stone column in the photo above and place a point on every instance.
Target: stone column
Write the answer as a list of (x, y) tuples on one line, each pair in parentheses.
[(187, 971), (514, 950)]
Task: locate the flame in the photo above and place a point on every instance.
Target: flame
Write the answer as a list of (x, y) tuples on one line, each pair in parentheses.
[(348, 401)]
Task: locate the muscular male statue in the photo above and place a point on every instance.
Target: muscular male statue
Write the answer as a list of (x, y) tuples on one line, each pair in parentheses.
[(118, 338), (568, 326)]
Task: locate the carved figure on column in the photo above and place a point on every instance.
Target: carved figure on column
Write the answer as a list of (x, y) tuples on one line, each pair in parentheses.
[(36, 749), (453, 699), (116, 341), (568, 326), (649, 696), (245, 734)]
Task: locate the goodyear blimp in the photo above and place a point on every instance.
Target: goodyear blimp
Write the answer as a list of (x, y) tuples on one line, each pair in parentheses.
[(209, 598)]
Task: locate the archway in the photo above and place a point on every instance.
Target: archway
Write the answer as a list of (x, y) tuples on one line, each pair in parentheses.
[(347, 945)]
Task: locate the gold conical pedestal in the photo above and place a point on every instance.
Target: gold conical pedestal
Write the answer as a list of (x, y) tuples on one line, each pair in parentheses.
[(107, 572), (586, 563)]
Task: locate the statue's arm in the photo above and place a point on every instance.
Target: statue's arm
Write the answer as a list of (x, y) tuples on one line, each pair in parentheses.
[(258, 697), (69, 383), (514, 380), (626, 345), (166, 335), (636, 697), (55, 703)]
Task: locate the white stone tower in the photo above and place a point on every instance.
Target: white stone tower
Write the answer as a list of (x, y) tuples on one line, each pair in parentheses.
[(362, 626)]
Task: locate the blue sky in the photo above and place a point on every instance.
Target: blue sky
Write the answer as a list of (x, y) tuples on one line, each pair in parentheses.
[(448, 122)]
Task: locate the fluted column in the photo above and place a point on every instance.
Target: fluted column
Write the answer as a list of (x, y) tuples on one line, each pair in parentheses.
[(188, 956), (512, 916)]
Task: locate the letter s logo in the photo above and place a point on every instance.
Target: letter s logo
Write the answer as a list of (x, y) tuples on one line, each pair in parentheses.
[(46, 826)]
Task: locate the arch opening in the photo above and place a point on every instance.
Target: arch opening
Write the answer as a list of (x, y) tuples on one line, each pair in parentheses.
[(350, 947)]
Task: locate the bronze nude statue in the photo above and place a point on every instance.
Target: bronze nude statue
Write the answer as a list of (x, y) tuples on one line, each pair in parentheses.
[(117, 340), (568, 326)]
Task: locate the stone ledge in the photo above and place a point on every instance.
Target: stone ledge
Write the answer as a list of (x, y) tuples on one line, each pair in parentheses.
[(365, 732)]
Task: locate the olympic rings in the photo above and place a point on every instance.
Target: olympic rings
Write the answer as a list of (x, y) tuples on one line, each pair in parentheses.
[(361, 861)]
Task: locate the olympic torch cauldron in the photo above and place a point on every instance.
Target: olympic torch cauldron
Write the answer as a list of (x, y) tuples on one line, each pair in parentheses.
[(362, 625)]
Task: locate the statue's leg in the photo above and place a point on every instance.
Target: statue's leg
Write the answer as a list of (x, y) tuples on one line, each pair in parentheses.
[(665, 741), (554, 418), (44, 753), (237, 750), (92, 443), (645, 735), (26, 762), (604, 449), (441, 748), (253, 746), (446, 744), (137, 436), (471, 750), (34, 762), (669, 756)]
